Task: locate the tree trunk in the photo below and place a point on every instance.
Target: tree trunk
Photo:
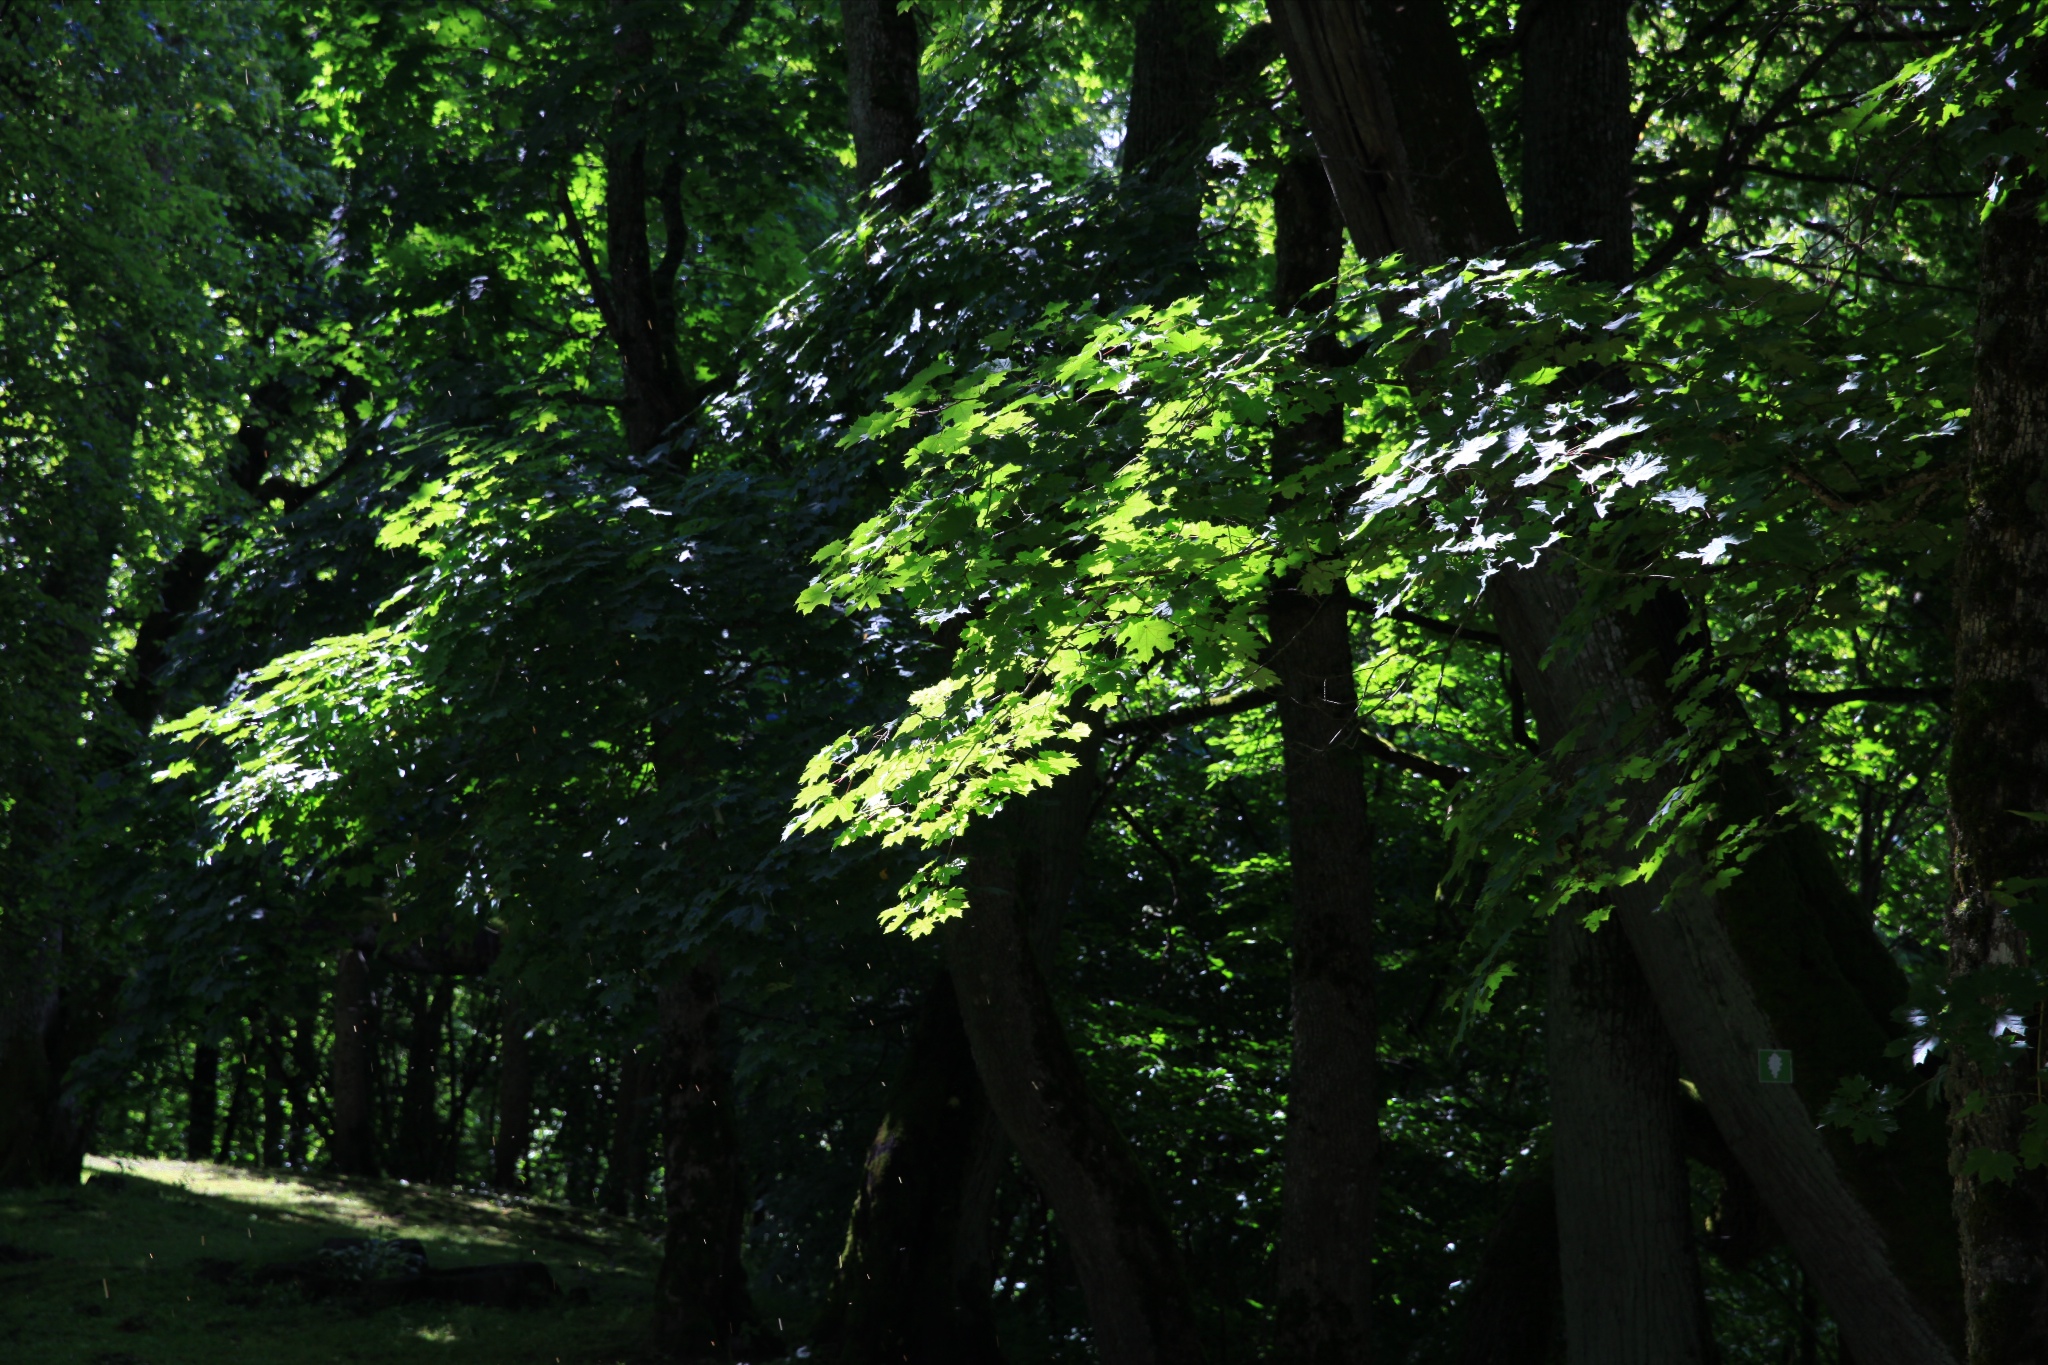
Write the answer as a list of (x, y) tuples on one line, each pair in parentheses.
[(419, 1124), (238, 1109), (702, 1307), (355, 1040), (1771, 959), (305, 1062), (42, 1131), (626, 1171), (1331, 1181), (202, 1102), (913, 1281), (1021, 867), (1511, 1307), (1631, 1284), (882, 54), (1998, 770), (275, 1084), (515, 1099), (1631, 1281)]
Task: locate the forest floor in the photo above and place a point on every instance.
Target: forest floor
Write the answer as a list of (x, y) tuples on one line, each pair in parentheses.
[(156, 1263)]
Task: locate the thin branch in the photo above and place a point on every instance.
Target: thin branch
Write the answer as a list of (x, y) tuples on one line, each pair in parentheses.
[(1378, 748), (1448, 629), (1815, 702), (1849, 502), (585, 257)]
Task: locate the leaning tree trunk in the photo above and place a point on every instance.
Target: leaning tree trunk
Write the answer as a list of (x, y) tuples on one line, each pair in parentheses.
[(1021, 868), (1998, 773), (1331, 1179), (702, 1310), (354, 1144), (1769, 960)]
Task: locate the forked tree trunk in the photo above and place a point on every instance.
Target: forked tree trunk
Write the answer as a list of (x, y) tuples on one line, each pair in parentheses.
[(1770, 960), (1021, 868), (1324, 1310), (353, 1058), (702, 1309), (1998, 769)]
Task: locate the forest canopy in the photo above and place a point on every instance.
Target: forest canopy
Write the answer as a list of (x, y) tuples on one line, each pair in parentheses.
[(1047, 680)]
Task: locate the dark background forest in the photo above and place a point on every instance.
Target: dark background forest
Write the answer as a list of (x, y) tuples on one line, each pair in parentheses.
[(1040, 680)]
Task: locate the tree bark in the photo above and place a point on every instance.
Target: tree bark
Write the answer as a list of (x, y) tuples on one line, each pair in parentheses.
[(1631, 1284), (42, 1129), (275, 1085), (1021, 867), (1511, 1308), (702, 1307), (882, 54), (1169, 130), (355, 1039), (1331, 1180), (626, 1171), (515, 1098), (1998, 770), (1767, 961), (913, 1281), (419, 1125), (202, 1102), (1630, 1277), (305, 1062)]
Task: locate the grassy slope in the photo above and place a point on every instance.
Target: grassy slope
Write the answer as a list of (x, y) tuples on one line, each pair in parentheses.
[(120, 1288)]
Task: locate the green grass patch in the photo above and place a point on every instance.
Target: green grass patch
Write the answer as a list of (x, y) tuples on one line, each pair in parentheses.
[(110, 1275)]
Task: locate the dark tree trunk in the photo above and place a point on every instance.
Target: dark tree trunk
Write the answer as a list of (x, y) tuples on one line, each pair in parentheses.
[(913, 1282), (626, 1172), (1331, 1181), (1578, 130), (238, 1110), (1172, 121), (702, 1308), (1769, 961), (202, 1103), (276, 1082), (1511, 1307), (1631, 1282), (1632, 1293), (354, 1061), (515, 1099), (1998, 768), (1021, 867), (42, 1128), (305, 1062), (419, 1106), (882, 53)]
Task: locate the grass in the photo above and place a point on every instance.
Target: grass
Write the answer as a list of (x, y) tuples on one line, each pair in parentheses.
[(116, 1284)]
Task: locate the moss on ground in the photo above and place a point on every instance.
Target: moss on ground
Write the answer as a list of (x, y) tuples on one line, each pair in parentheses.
[(111, 1273)]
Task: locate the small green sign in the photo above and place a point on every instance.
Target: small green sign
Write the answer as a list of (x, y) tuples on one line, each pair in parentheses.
[(1774, 1066)]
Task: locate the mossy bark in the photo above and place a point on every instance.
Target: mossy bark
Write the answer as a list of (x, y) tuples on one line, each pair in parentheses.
[(1998, 770)]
